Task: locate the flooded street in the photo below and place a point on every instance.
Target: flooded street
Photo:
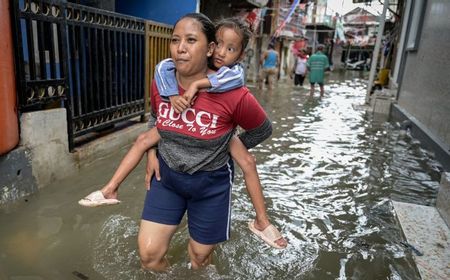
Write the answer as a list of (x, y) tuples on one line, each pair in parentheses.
[(329, 173)]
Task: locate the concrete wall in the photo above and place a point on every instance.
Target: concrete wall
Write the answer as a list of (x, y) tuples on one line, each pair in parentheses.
[(16, 178), (425, 85), (43, 154)]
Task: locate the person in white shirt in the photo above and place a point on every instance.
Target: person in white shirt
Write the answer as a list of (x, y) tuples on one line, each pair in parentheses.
[(300, 68)]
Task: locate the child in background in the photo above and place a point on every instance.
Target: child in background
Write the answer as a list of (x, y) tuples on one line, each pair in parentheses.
[(232, 36)]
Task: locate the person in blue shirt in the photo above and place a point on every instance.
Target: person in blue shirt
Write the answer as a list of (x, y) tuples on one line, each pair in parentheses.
[(269, 62)]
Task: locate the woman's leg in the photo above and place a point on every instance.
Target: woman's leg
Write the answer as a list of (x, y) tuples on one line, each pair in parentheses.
[(200, 254), (247, 163), (153, 242), (144, 142)]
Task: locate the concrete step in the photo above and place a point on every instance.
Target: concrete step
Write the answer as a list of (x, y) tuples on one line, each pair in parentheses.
[(426, 231)]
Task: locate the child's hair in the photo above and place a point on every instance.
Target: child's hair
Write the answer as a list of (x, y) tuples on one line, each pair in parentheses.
[(241, 27)]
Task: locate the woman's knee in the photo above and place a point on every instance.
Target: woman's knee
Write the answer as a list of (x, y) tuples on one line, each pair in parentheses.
[(200, 255), (151, 254), (198, 259), (153, 243)]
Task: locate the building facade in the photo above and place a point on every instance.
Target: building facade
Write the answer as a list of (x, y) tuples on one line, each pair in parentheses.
[(421, 74)]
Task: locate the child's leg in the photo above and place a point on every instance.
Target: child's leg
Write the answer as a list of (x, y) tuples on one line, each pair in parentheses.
[(247, 163), (144, 142)]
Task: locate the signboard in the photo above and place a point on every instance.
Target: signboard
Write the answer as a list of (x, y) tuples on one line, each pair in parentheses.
[(361, 1)]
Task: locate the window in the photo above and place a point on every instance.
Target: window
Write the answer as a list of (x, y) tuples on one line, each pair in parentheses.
[(415, 27)]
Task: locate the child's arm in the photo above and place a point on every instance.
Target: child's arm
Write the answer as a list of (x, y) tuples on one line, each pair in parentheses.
[(223, 80), (165, 78), (189, 94), (226, 79), (167, 84)]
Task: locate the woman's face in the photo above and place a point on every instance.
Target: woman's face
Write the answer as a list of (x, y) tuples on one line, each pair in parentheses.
[(189, 48)]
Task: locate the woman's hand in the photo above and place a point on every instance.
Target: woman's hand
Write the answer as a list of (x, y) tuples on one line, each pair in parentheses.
[(152, 167), (179, 103)]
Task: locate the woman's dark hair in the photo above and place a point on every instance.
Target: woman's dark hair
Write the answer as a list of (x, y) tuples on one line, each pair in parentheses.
[(239, 26), (208, 27)]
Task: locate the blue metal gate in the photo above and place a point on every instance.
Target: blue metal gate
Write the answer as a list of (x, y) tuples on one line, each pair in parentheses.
[(89, 61)]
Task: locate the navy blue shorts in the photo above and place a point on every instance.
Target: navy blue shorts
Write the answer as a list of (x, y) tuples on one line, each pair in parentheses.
[(205, 195)]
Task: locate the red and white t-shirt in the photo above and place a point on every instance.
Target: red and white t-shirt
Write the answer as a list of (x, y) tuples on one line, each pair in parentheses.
[(197, 139)]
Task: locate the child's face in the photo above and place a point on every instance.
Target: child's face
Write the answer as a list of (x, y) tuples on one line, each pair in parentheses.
[(228, 49)]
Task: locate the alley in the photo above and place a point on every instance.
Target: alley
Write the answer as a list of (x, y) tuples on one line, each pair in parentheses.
[(329, 173)]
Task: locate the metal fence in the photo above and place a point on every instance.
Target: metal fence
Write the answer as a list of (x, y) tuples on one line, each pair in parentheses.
[(41, 46), (95, 63), (157, 39)]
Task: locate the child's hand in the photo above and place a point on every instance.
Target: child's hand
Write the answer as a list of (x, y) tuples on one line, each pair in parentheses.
[(179, 103), (189, 94)]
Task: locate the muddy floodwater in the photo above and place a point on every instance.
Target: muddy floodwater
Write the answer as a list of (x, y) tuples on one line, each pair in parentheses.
[(329, 174)]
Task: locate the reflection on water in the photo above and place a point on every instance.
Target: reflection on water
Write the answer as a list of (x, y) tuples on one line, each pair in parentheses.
[(329, 173)]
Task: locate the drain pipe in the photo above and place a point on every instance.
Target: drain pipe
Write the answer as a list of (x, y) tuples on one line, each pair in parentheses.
[(376, 51)]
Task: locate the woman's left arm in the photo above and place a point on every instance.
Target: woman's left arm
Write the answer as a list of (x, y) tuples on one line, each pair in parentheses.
[(252, 138)]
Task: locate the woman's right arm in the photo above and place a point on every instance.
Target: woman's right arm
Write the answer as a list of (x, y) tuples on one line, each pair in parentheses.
[(152, 167)]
